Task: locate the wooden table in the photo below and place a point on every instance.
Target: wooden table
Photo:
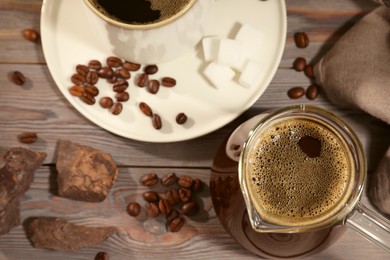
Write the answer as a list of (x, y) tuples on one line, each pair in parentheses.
[(40, 107)]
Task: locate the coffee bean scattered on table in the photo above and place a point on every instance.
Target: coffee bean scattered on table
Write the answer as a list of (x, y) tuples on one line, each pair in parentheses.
[(28, 137), (30, 35), (301, 39), (18, 78), (296, 92)]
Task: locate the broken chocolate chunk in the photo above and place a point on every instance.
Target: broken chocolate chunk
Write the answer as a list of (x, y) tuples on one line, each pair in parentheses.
[(310, 146), (59, 234), (84, 173)]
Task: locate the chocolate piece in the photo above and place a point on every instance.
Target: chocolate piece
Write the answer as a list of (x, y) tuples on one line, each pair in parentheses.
[(16, 174), (84, 173), (59, 234)]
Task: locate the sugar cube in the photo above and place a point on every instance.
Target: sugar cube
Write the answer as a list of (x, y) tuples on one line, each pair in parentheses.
[(229, 52), (252, 43), (251, 74), (218, 75), (210, 47)]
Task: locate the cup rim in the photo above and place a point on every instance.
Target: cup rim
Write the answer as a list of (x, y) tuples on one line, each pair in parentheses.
[(140, 26), (358, 158)]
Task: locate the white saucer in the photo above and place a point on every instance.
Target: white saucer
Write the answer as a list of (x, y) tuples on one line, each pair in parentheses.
[(67, 41)]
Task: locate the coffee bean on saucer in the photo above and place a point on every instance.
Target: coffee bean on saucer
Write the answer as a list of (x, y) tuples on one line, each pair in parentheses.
[(153, 86), (120, 86), (116, 109), (176, 224), (30, 34), (181, 118), (145, 108), (78, 79), (168, 82), (131, 66), (18, 78), (164, 206), (95, 65), (185, 194), (309, 71), (122, 96), (106, 102), (301, 39), (299, 64), (296, 92), (151, 69), (76, 91), (172, 196), (87, 98), (106, 72), (142, 80), (82, 70), (156, 121), (28, 137), (172, 215), (123, 73), (114, 62), (152, 210), (312, 92), (92, 90), (190, 208), (133, 209), (92, 77)]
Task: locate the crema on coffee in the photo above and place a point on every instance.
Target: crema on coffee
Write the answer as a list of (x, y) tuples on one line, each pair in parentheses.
[(300, 172)]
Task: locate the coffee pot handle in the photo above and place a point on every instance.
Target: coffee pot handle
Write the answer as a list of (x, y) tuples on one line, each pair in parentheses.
[(370, 225)]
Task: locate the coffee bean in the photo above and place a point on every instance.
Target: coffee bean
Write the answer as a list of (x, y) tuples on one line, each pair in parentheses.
[(156, 121), (181, 118), (312, 92), (185, 181), (176, 224), (299, 64), (172, 196), (296, 92), (120, 86), (153, 86), (301, 40), (145, 108), (151, 196), (169, 179), (151, 69), (30, 35), (101, 256), (122, 97), (190, 208), (106, 72), (141, 80), (95, 65), (133, 209), (114, 79), (82, 70), (92, 77), (87, 98), (309, 71), (106, 102), (76, 91), (149, 179), (152, 210), (185, 194), (92, 90), (117, 108), (197, 186), (114, 62), (168, 82), (123, 73), (164, 206), (28, 137), (131, 66), (78, 79), (172, 215), (18, 78)]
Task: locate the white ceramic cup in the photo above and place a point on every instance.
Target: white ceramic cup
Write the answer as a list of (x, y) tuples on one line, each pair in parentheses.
[(150, 43)]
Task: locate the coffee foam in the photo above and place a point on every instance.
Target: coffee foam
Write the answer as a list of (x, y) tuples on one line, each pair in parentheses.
[(288, 187)]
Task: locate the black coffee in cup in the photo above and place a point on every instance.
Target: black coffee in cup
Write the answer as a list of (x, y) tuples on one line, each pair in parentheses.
[(140, 11)]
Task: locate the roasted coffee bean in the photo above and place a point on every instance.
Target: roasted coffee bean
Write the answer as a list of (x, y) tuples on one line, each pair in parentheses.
[(190, 208), (142, 80), (82, 70), (87, 98), (101, 256), (28, 137), (172, 215), (156, 121), (153, 86), (176, 224), (172, 196), (145, 108), (133, 209), (92, 90), (123, 73), (122, 96), (181, 118), (185, 181), (30, 35), (164, 206), (106, 102), (18, 78), (120, 86), (169, 179), (78, 79), (131, 66), (296, 92), (114, 62), (151, 69), (168, 82), (152, 210), (197, 186), (113, 80), (116, 108), (299, 64), (309, 71), (312, 92), (185, 194), (95, 65), (301, 40), (92, 77), (76, 91), (106, 72), (149, 179), (151, 196)]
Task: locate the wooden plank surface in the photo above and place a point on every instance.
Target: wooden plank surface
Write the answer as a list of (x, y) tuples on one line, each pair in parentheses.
[(40, 107)]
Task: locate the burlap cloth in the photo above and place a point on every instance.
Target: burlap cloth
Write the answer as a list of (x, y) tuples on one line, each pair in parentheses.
[(355, 73)]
